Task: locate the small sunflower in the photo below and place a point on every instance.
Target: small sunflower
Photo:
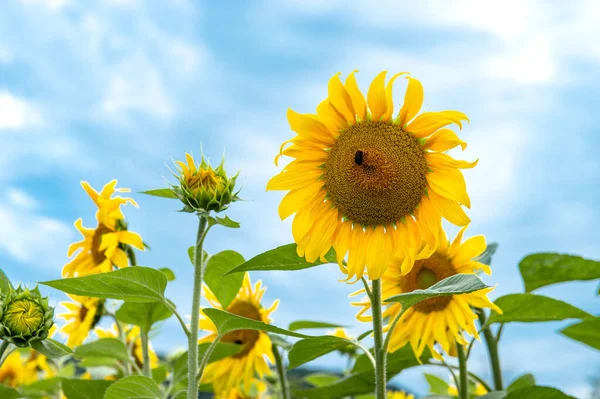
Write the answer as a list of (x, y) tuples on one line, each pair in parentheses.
[(243, 367), (133, 340), (368, 183), (102, 247), (399, 395), (15, 372), (440, 320), (82, 316)]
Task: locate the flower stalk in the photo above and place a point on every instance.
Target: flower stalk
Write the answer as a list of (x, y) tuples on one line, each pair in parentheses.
[(380, 357), (492, 346), (463, 388), (285, 390)]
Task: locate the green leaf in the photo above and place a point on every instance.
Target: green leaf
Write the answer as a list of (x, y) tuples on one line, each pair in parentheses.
[(51, 348), (280, 342), (103, 348), (225, 222), (227, 322), (494, 395), (436, 384), (355, 384), (143, 315), (526, 380), (309, 349), (320, 379), (364, 335), (98, 362), (530, 308), (486, 256), (180, 395), (397, 361), (222, 350), (281, 258), (225, 287), (437, 397), (85, 389), (537, 392), (5, 284), (161, 192), (539, 270), (453, 285), (47, 385), (191, 253), (306, 324), (134, 387), (133, 284), (587, 332), (168, 272), (159, 374), (8, 393)]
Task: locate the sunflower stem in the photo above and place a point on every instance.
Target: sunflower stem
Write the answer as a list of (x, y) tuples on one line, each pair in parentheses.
[(3, 347), (285, 389), (380, 358), (205, 358), (463, 387), (146, 354), (192, 391), (492, 346)]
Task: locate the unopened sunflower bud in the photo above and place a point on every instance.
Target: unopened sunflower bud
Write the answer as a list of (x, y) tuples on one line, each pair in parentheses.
[(202, 188), (24, 317)]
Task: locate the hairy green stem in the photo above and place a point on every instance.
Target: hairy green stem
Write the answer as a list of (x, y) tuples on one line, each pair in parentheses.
[(146, 354), (192, 392), (492, 346), (463, 388), (3, 347), (206, 357), (380, 358), (473, 376), (285, 389)]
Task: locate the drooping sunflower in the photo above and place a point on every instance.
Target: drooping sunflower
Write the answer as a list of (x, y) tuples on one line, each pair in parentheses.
[(241, 369), (82, 316), (369, 183), (15, 372), (103, 247), (442, 320), (133, 340)]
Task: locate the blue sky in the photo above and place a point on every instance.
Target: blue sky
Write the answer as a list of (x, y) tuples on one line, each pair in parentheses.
[(116, 88)]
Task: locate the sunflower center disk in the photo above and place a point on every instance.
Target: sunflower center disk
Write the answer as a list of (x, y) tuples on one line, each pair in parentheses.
[(375, 173), (246, 338), (424, 274), (98, 254)]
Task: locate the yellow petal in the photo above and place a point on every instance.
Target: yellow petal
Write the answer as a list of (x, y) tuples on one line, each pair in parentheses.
[(131, 238), (358, 100), (388, 97), (428, 122), (340, 98), (471, 248), (449, 183), (297, 198), (444, 140), (376, 97), (331, 117), (293, 180), (444, 160), (449, 209), (413, 101), (309, 127)]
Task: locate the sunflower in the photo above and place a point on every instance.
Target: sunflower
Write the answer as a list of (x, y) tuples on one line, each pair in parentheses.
[(399, 395), (133, 340), (38, 364), (256, 348), (370, 184), (15, 371), (441, 320), (477, 389), (102, 247), (82, 316), (257, 390)]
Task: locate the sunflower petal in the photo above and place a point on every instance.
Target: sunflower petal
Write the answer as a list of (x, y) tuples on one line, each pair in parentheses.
[(444, 140), (449, 209), (428, 122), (389, 97), (450, 183), (358, 100), (309, 127), (413, 101), (340, 98), (376, 97)]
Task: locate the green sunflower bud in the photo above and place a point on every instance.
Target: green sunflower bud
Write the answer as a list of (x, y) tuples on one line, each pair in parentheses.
[(204, 189), (24, 316)]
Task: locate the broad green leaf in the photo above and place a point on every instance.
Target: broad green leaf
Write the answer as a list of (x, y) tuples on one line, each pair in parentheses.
[(453, 285), (281, 258), (5, 284), (354, 384), (486, 256), (494, 395), (51, 348), (67, 370), (143, 315), (103, 348), (134, 387), (227, 322), (159, 374), (587, 332), (225, 222), (309, 349), (222, 350), (537, 392), (280, 342), (133, 284), (161, 192), (9, 393), (180, 395), (47, 387), (539, 270), (306, 324), (526, 380), (85, 389), (168, 272), (321, 379), (98, 362), (436, 384), (530, 308), (191, 253), (225, 287)]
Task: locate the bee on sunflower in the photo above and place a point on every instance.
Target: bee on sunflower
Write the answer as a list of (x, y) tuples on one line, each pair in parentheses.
[(442, 320), (105, 246), (240, 370), (371, 184), (83, 314)]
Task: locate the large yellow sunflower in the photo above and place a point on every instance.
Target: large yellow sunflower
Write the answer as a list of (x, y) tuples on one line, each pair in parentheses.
[(82, 316), (102, 247), (368, 182), (133, 340), (15, 371), (251, 361), (441, 320)]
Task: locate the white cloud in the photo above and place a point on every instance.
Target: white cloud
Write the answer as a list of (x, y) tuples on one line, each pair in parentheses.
[(52, 5), (16, 113), (529, 62), (21, 199)]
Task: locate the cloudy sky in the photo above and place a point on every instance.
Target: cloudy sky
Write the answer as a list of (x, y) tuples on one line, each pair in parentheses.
[(117, 88)]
